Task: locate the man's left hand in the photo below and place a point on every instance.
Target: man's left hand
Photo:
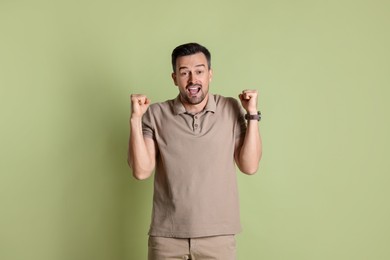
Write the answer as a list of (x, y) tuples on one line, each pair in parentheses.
[(248, 100)]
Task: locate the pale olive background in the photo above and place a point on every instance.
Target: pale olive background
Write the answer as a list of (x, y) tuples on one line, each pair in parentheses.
[(67, 69)]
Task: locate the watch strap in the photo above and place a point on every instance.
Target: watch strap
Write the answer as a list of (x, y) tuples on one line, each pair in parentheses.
[(253, 117)]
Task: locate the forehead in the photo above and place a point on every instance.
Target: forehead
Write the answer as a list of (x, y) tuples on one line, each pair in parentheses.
[(190, 61)]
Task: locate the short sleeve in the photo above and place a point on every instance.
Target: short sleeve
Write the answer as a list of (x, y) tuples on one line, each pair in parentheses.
[(240, 127), (147, 124)]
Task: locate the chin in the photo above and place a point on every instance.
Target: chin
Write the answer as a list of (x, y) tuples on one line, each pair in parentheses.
[(195, 101)]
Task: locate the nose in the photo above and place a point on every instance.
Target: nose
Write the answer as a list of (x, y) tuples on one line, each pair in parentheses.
[(191, 78)]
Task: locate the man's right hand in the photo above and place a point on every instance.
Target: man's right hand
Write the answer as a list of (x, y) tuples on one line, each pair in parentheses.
[(139, 105), (142, 150)]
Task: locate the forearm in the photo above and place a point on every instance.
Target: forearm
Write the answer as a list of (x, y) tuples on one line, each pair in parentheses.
[(140, 157), (251, 150)]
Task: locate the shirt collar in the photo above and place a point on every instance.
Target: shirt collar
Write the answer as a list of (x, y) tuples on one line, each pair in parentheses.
[(179, 108)]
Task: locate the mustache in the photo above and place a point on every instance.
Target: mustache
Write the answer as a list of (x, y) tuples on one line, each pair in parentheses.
[(194, 85)]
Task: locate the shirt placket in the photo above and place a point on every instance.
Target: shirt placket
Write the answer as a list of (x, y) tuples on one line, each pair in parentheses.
[(196, 123)]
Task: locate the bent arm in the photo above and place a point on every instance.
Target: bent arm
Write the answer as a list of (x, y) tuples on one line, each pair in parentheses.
[(248, 149), (142, 151)]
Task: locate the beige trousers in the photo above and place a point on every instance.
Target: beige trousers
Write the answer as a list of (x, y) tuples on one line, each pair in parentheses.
[(210, 248)]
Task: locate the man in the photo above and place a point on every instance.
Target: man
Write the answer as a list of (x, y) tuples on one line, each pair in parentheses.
[(193, 143)]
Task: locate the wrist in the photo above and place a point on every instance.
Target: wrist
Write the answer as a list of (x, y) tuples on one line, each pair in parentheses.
[(253, 116), (135, 118)]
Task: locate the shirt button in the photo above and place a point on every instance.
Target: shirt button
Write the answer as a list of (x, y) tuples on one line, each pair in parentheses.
[(196, 125), (196, 117)]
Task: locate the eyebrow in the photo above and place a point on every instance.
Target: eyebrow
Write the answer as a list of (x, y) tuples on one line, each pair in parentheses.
[(200, 65)]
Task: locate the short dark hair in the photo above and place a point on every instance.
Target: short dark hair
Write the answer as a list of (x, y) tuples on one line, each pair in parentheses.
[(189, 49)]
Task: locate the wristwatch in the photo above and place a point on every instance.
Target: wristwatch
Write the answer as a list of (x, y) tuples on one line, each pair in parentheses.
[(253, 117)]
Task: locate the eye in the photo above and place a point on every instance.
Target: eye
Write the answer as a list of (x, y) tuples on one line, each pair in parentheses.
[(199, 72), (184, 73)]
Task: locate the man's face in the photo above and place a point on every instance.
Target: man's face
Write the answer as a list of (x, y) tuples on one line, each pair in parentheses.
[(192, 76)]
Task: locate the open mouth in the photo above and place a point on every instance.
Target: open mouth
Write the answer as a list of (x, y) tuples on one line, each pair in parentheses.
[(194, 89)]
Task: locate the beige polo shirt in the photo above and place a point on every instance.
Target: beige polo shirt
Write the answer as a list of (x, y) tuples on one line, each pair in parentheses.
[(195, 187)]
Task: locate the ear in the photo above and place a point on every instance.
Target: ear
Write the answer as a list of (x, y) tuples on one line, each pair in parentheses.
[(173, 75), (210, 75)]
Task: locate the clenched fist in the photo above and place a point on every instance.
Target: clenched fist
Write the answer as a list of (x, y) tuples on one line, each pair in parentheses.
[(248, 100), (139, 105)]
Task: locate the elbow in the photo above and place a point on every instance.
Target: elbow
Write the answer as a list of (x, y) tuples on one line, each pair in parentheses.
[(140, 176), (249, 168), (250, 171), (249, 164)]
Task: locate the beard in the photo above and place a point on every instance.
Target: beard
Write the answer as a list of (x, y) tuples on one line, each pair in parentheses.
[(192, 99)]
